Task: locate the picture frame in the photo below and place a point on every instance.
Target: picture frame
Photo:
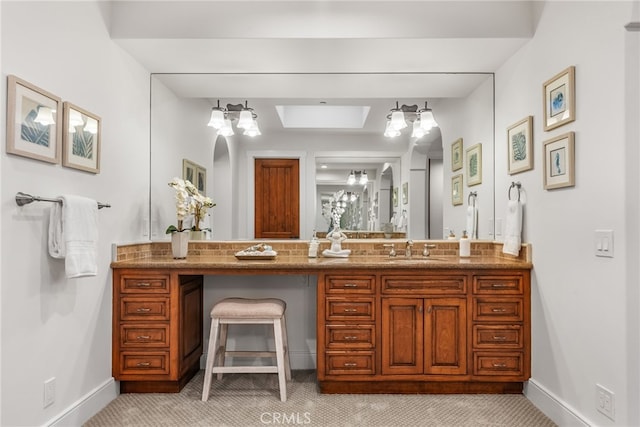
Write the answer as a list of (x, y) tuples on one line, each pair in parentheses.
[(456, 155), (29, 134), (405, 193), (520, 146), (559, 101), (395, 197), (456, 189), (559, 161), (474, 165), (81, 136), (195, 174)]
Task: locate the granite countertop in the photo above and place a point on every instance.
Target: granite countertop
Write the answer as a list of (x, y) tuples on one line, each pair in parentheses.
[(305, 264)]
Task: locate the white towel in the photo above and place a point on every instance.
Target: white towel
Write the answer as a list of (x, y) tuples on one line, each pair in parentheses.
[(472, 222), (73, 235), (513, 228)]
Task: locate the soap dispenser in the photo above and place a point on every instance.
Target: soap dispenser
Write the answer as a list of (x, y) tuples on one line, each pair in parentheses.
[(465, 245), (313, 246)]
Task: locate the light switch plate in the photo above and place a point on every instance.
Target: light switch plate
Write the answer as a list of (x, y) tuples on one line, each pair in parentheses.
[(603, 243)]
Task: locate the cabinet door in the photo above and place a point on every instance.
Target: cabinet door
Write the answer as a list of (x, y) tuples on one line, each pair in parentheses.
[(445, 336), (402, 336)]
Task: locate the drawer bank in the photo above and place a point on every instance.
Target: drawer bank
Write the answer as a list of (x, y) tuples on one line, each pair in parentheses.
[(437, 324)]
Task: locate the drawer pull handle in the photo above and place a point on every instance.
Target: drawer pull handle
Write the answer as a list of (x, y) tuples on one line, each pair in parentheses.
[(143, 310), (143, 364), (350, 285), (498, 310), (350, 365), (144, 285), (143, 337), (350, 310), (499, 365), (351, 337), (499, 338), (498, 285)]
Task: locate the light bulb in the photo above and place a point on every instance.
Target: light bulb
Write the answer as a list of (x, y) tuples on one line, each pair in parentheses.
[(397, 120), (389, 131), (364, 179), (352, 178), (226, 129), (217, 119), (245, 120), (418, 130)]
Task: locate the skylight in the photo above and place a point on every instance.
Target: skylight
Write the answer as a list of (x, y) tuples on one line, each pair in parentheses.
[(323, 116)]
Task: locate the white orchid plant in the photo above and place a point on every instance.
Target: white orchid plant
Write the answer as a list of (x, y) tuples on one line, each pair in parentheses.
[(188, 202)]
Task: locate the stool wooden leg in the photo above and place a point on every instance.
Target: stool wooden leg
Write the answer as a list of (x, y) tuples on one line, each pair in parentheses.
[(211, 355), (222, 348), (277, 332), (286, 348)]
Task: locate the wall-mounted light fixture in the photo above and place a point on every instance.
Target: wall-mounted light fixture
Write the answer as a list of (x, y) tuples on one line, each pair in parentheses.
[(398, 117), (45, 116), (358, 176), (221, 118)]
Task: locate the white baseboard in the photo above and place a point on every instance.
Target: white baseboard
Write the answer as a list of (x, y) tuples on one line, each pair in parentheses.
[(553, 407), (86, 407)]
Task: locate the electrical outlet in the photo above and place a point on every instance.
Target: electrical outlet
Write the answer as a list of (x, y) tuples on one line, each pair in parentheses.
[(605, 401), (49, 392)]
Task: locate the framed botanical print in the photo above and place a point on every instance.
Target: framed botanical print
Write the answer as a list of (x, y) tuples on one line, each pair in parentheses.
[(394, 197), (456, 190), (520, 146), (405, 193), (559, 161), (559, 99), (456, 155), (81, 134), (34, 124), (195, 174), (474, 165)]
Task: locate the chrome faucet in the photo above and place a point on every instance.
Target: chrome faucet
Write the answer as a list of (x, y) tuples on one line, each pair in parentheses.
[(425, 251), (392, 251), (409, 246)]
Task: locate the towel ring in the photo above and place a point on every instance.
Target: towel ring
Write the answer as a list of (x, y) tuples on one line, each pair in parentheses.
[(473, 194), (517, 185)]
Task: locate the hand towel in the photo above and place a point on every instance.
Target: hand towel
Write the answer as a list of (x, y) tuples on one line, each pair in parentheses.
[(73, 235), (472, 222), (513, 228)]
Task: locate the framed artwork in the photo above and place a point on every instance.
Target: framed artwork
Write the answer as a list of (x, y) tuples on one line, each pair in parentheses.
[(81, 134), (456, 190), (33, 121), (474, 165), (559, 99), (456, 155), (405, 193), (520, 145), (395, 197), (559, 161), (195, 174)]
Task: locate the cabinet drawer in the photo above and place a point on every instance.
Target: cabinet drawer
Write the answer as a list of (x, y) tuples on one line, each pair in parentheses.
[(354, 309), (137, 335), (349, 284), (156, 363), (498, 285), (498, 336), (158, 284), (431, 285), (132, 308), (350, 336), (503, 363), (360, 363), (498, 309)]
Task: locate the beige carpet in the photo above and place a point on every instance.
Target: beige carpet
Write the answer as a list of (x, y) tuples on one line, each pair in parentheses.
[(253, 400)]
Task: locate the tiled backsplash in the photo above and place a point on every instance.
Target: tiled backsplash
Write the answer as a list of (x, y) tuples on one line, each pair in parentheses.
[(359, 247)]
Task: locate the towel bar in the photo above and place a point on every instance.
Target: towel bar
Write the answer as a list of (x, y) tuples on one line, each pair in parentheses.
[(24, 199)]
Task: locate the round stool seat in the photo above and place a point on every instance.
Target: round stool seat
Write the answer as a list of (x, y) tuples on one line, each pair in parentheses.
[(245, 308)]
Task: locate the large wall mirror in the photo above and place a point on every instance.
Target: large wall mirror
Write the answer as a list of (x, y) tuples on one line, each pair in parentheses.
[(407, 177)]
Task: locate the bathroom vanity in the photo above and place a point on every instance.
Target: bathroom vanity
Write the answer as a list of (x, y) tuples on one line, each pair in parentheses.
[(437, 324)]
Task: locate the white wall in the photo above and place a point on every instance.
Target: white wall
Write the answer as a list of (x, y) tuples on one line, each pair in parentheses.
[(51, 326), (585, 330)]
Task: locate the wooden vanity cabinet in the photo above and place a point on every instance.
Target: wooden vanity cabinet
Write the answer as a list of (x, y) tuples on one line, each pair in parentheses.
[(433, 331), (157, 330)]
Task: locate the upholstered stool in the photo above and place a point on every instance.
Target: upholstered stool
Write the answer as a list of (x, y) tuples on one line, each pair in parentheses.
[(247, 311)]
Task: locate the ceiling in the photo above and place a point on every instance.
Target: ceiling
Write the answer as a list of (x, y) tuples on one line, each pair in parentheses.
[(339, 52)]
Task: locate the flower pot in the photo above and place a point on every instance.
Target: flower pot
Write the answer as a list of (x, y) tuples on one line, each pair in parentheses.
[(197, 235), (180, 244)]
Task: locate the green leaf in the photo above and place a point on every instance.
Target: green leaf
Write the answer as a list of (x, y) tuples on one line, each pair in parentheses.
[(171, 229)]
